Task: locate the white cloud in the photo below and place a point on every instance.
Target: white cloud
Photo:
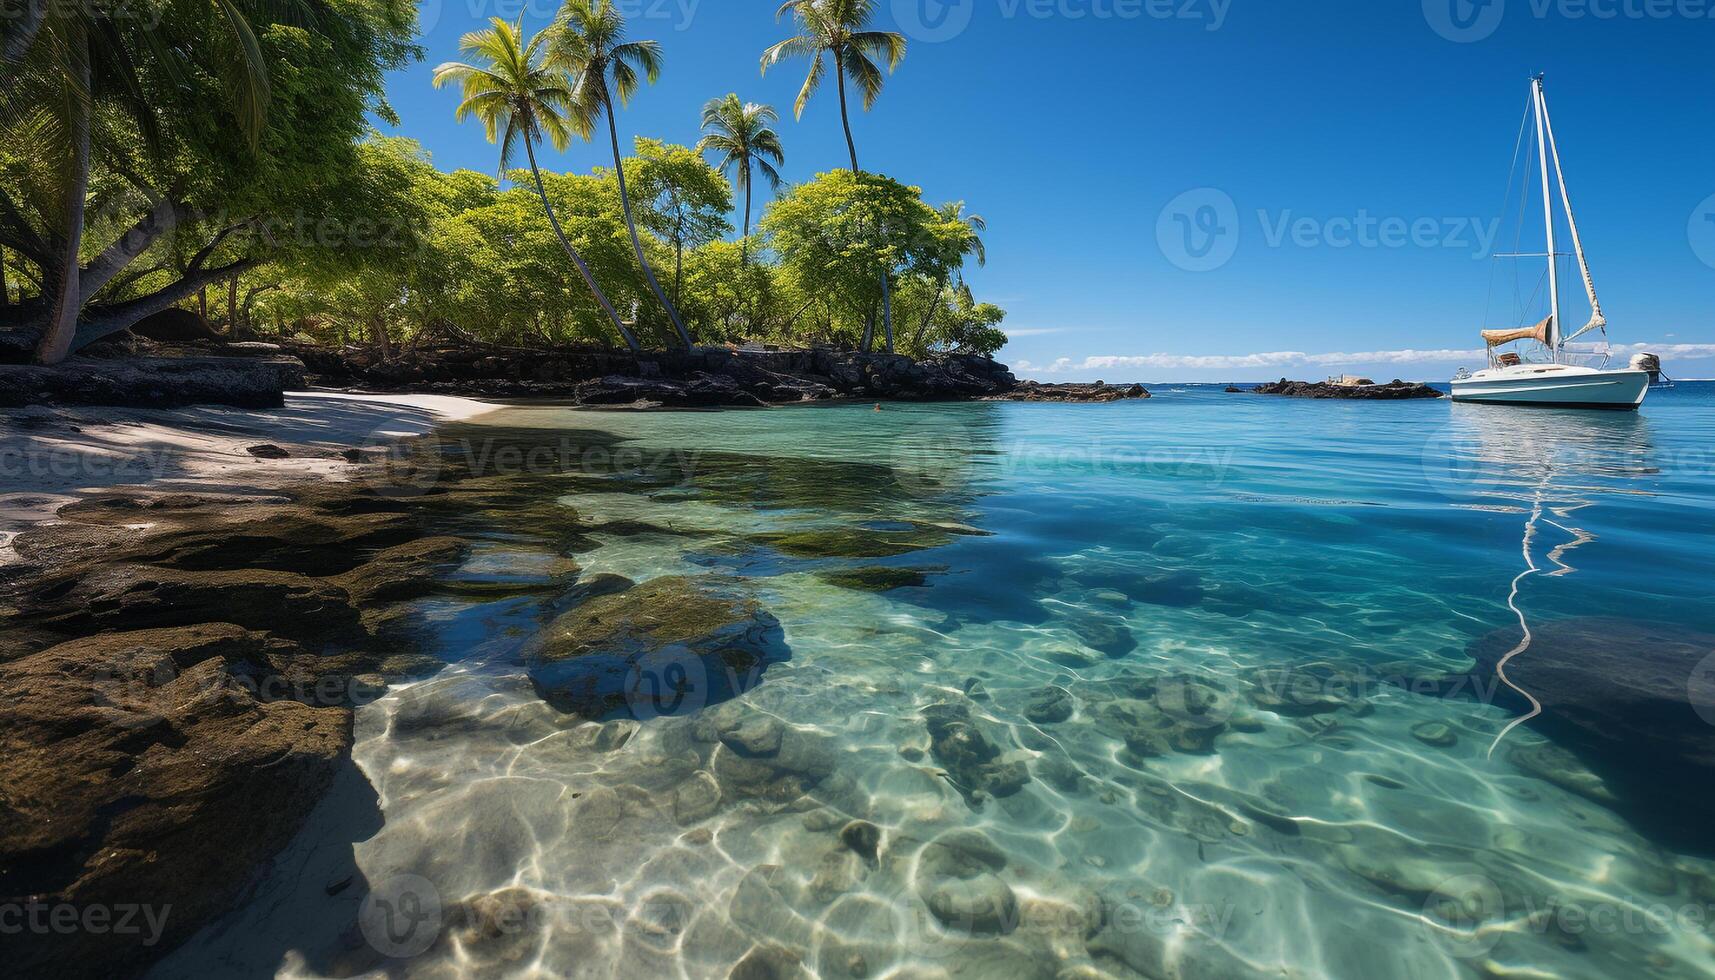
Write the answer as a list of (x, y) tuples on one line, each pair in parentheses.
[(1034, 331), (1289, 359)]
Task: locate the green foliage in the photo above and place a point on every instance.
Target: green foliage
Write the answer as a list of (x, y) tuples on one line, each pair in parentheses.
[(258, 134), (836, 235), (684, 201)]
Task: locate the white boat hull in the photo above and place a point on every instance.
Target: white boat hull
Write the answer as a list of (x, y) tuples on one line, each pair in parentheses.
[(1555, 386)]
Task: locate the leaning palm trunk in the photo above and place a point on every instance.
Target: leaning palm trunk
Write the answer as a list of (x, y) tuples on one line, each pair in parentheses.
[(63, 278), (577, 260), (851, 147), (631, 226), (929, 314)]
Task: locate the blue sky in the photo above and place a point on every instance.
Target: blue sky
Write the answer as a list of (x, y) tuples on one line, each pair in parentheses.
[(1363, 146)]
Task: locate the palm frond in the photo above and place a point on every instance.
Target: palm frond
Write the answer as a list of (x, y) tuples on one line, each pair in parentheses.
[(887, 45), (866, 76), (812, 81)]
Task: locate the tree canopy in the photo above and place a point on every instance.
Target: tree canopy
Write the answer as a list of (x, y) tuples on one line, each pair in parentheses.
[(232, 150)]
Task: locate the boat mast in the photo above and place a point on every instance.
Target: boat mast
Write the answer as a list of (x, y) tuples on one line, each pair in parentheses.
[(1548, 220), (1598, 319)]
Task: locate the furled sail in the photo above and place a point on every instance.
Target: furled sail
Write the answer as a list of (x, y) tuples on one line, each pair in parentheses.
[(1598, 319), (1538, 333)]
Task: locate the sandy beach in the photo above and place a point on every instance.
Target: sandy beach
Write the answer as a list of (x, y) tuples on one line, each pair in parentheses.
[(50, 457)]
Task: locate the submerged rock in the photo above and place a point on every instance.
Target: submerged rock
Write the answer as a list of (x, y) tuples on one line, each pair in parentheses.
[(862, 837), (1107, 634), (958, 879), (672, 645), (1435, 734), (972, 761), (1635, 701), (1049, 705), (852, 542), (875, 578)]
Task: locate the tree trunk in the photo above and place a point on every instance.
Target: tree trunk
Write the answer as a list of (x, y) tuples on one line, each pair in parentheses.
[(845, 119), (5, 290), (868, 332), (887, 307), (202, 302), (378, 324), (631, 225), (851, 147), (678, 267), (744, 250), (99, 322), (232, 306), (63, 280), (577, 260), (929, 314)]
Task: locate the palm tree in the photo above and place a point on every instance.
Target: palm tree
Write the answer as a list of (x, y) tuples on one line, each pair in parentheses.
[(521, 100), (968, 242), (743, 134), (589, 45), (837, 29)]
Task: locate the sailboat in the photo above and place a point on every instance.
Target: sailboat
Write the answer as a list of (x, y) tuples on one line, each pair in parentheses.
[(1545, 369)]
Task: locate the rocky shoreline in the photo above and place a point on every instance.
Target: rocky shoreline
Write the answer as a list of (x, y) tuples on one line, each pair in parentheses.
[(1395, 390), (154, 381), (256, 375)]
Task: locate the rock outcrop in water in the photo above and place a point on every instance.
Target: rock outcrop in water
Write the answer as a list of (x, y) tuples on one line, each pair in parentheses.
[(176, 681), (1394, 390), (177, 678), (151, 768), (1097, 392)]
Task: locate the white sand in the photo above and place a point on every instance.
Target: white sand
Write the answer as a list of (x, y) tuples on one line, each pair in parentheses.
[(50, 457)]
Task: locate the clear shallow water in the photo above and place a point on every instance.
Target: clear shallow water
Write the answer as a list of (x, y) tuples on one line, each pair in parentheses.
[(1359, 830)]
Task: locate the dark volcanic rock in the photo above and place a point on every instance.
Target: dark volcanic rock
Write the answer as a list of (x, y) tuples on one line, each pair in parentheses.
[(1049, 705), (154, 382), (1035, 391), (175, 326), (1635, 701), (705, 377), (141, 768), (875, 578), (670, 645), (1392, 391), (971, 759)]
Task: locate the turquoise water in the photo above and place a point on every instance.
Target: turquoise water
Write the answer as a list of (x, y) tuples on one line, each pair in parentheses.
[(1161, 563)]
